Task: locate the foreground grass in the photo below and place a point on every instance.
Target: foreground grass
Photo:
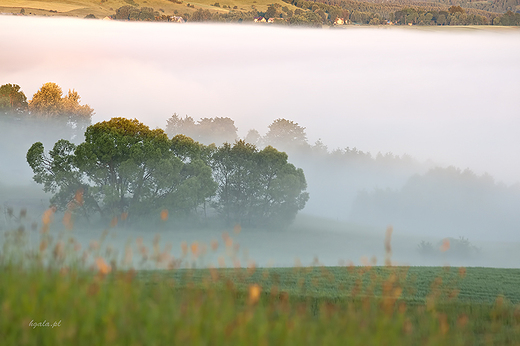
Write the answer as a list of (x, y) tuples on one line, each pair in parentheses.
[(49, 296), (244, 307), (120, 309)]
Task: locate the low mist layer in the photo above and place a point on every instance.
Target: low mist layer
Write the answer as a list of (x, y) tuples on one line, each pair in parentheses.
[(445, 95)]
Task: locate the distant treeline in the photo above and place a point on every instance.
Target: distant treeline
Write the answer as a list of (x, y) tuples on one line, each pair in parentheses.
[(497, 6), (343, 12), (445, 201), (381, 189), (392, 13)]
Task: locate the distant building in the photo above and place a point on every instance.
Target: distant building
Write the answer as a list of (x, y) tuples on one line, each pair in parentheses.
[(339, 21), (176, 19), (107, 18), (259, 20)]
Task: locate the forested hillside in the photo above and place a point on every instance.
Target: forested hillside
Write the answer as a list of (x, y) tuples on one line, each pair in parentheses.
[(498, 6), (284, 12)]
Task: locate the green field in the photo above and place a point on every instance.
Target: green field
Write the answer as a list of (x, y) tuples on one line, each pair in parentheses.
[(472, 285), (125, 308), (95, 303)]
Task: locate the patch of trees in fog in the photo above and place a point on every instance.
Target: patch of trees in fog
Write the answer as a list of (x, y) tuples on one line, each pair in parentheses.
[(49, 116), (207, 130), (334, 177), (382, 189), (445, 201), (201, 171), (125, 170), (48, 107)]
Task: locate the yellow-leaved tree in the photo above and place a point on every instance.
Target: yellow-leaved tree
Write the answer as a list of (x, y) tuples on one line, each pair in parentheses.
[(49, 103)]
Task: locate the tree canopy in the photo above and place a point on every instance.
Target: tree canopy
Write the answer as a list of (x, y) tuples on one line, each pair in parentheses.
[(47, 100), (285, 134), (49, 103), (12, 99), (257, 187), (125, 168), (122, 167), (216, 130)]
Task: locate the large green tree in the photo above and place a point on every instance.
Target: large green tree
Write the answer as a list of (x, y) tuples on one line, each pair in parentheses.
[(124, 166), (257, 187)]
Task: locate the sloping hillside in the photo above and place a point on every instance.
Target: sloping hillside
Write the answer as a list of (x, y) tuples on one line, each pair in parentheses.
[(102, 8)]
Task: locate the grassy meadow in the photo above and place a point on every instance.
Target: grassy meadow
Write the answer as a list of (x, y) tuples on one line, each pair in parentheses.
[(54, 292), (81, 8)]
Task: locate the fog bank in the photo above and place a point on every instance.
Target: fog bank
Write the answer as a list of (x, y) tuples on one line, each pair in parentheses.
[(449, 96), (446, 95)]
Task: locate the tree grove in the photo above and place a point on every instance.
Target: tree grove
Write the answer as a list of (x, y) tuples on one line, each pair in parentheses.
[(125, 168)]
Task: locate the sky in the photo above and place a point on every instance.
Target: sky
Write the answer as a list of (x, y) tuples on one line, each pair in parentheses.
[(450, 96)]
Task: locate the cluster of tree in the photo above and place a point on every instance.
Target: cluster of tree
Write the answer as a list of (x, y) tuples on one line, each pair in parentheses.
[(448, 248), (334, 177), (48, 106), (136, 13), (233, 16), (48, 117), (127, 170), (380, 6), (12, 100), (257, 185), (403, 13), (444, 201), (496, 6), (455, 15), (278, 11), (383, 8), (124, 168), (282, 134), (207, 130), (410, 194), (509, 18)]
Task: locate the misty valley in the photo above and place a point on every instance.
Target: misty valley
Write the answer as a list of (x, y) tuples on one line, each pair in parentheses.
[(217, 184), (196, 178)]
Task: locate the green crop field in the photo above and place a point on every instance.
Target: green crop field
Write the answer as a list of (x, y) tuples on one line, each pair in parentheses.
[(469, 285)]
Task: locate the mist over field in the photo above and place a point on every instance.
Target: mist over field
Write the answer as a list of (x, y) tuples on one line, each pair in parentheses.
[(443, 97)]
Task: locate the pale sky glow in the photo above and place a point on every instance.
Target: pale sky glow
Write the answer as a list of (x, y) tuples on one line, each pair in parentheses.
[(450, 96)]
